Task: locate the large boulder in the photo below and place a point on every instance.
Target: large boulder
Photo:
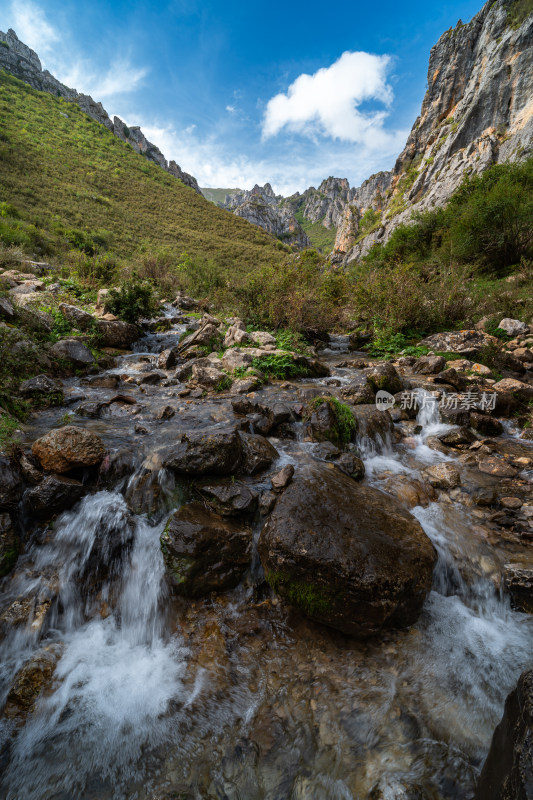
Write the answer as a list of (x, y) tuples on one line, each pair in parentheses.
[(115, 333), (54, 494), (508, 771), (203, 551), (346, 555), (74, 351), (213, 452), (429, 365), (513, 327), (384, 377), (67, 448)]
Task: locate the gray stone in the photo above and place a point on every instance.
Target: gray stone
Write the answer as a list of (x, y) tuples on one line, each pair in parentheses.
[(74, 351)]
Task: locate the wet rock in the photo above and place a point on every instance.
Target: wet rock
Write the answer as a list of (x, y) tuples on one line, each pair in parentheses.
[(168, 358), (115, 333), (497, 467), (11, 486), (53, 494), (77, 317), (9, 545), (258, 453), (351, 465), (429, 365), (518, 583), (507, 773), (31, 681), (151, 378), (442, 476), (267, 502), (457, 437), (513, 327), (282, 479), (203, 551), (359, 390), (74, 351), (230, 499), (345, 554), (485, 424), (165, 413), (372, 424), (67, 448), (454, 415), (384, 376), (117, 465), (467, 343), (110, 381), (410, 491), (219, 452)]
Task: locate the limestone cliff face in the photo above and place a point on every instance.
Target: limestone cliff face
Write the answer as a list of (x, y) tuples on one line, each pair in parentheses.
[(262, 207), (477, 111), (22, 62)]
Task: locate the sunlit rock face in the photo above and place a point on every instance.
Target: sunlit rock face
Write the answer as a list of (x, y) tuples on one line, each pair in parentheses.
[(477, 111)]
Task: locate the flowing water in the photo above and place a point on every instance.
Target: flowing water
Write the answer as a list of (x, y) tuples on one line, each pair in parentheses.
[(240, 697)]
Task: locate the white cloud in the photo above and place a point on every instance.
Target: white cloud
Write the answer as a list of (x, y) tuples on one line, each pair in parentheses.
[(212, 164), (120, 78), (327, 103), (231, 109), (32, 28)]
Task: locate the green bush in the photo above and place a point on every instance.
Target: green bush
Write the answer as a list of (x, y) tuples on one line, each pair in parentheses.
[(133, 300), (278, 366)]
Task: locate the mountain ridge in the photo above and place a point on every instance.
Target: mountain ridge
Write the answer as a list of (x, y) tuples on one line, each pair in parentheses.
[(24, 63)]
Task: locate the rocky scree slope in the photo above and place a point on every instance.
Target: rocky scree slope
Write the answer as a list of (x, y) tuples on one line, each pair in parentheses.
[(22, 62), (477, 111)]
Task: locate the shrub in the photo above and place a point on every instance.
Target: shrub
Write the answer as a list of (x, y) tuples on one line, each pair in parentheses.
[(133, 300), (279, 366)]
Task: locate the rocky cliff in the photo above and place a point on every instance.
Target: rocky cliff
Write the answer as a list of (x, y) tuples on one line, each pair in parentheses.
[(477, 111), (22, 62), (262, 207)]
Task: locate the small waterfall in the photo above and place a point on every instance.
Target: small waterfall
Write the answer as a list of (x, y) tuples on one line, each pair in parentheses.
[(118, 672)]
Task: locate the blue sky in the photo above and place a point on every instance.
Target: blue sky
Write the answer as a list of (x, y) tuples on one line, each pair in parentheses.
[(240, 92)]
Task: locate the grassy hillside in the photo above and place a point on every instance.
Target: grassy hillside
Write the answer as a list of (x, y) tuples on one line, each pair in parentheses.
[(320, 237), (66, 182)]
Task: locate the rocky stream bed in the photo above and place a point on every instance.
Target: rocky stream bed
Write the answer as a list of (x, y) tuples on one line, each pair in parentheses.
[(143, 653)]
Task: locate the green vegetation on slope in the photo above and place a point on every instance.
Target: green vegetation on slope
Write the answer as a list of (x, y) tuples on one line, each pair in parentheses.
[(518, 11), (321, 238), (74, 185)]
